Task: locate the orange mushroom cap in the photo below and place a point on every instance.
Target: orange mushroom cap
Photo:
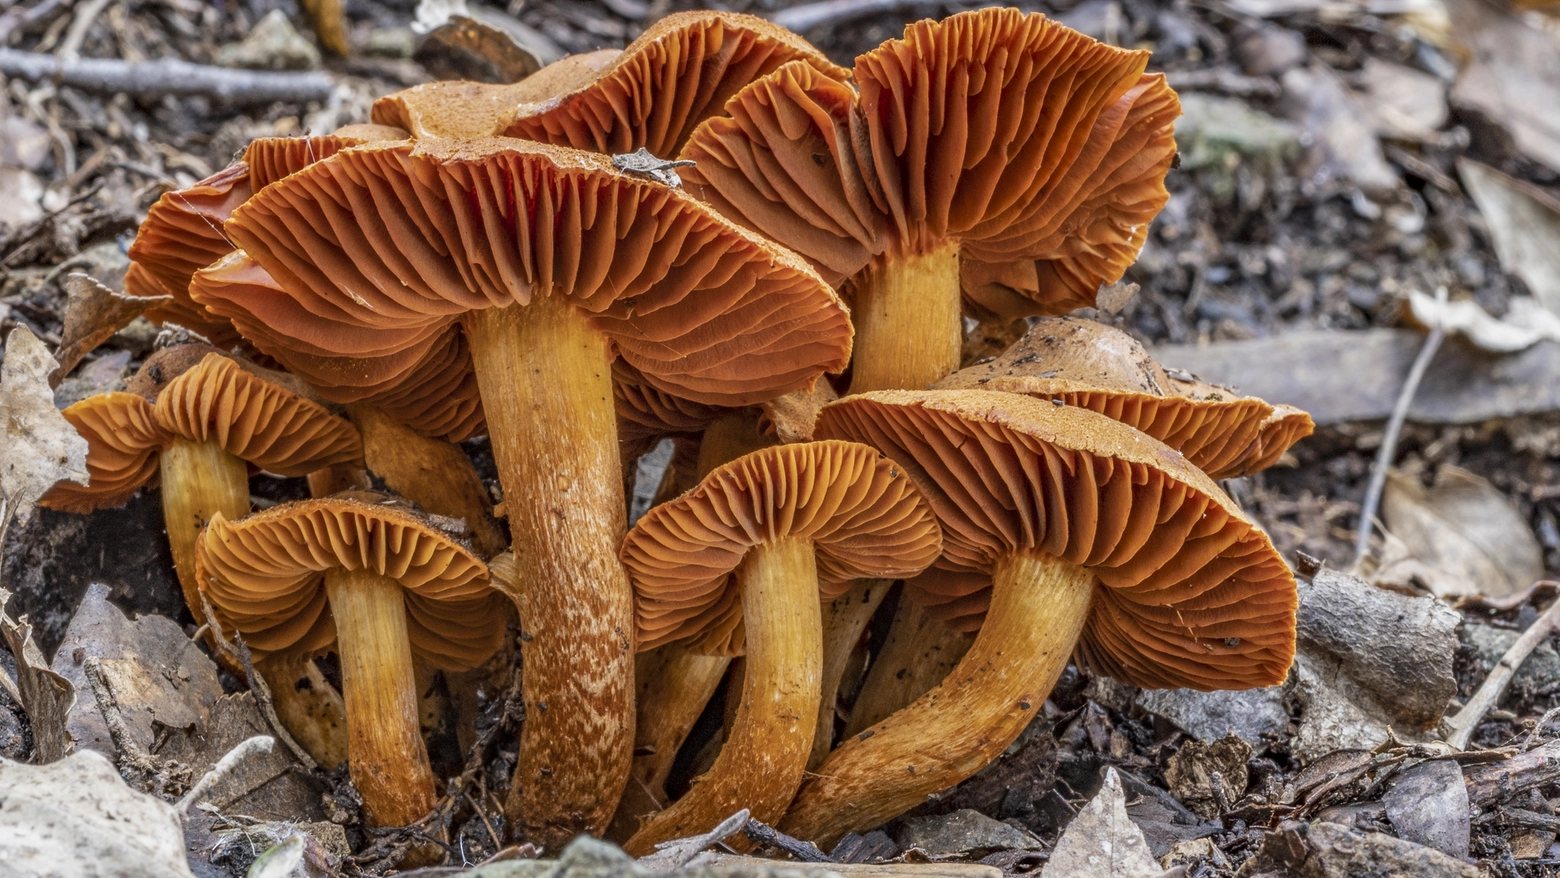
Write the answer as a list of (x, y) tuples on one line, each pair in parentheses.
[(1103, 369), (863, 516), (264, 576), (380, 249), (124, 441), (1020, 139), (1190, 592)]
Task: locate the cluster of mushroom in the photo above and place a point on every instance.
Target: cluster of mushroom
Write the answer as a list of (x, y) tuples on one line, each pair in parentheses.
[(519, 262)]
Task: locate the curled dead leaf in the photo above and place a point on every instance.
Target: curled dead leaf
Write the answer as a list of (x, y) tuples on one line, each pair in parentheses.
[(93, 313)]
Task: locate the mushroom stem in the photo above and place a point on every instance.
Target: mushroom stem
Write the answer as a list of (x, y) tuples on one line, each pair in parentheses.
[(674, 685), (1038, 607), (199, 479), (918, 653), (729, 437), (762, 761), (844, 620), (385, 752), (909, 326), (547, 391), (309, 707)]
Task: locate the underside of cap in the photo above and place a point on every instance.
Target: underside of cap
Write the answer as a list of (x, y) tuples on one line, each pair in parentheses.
[(863, 516), (124, 442), (1193, 593), (428, 385), (264, 576), (381, 248), (1100, 368), (255, 420), (272, 158), (680, 71)]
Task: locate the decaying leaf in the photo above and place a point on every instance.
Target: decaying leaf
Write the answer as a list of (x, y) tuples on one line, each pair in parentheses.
[(1102, 841), (1407, 104), (1428, 804), (1465, 528), (38, 447), (1526, 322), (77, 817), (1509, 77), (1208, 777), (46, 696), (93, 313), (1524, 224)]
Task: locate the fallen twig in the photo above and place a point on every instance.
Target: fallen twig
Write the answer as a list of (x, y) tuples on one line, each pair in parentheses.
[(84, 16), (811, 15), (1459, 729), (132, 756), (1225, 81), (229, 761), (762, 833), (239, 652), (1384, 455), (167, 76)]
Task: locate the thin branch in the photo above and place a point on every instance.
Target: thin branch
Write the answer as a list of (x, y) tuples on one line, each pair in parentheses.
[(1459, 729), (84, 16), (238, 651), (225, 766), (1389, 441), (167, 76)]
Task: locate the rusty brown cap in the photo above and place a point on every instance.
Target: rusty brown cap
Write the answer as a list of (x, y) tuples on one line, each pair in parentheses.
[(1191, 592), (863, 516), (264, 576), (1103, 369), (385, 246), (255, 420), (124, 442), (1011, 135)]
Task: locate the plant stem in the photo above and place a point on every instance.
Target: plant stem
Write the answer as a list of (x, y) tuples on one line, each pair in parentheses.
[(1038, 607), (199, 480), (547, 391), (761, 764), (844, 620), (385, 752), (918, 653), (909, 326)]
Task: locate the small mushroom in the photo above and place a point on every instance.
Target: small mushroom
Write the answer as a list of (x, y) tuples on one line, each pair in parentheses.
[(551, 262), (382, 583), (738, 564), (989, 137), (1094, 536)]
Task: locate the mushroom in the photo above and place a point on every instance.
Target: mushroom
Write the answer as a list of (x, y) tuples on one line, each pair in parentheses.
[(384, 584), (550, 261), (1098, 367), (1095, 536), (650, 95), (738, 564), (988, 137)]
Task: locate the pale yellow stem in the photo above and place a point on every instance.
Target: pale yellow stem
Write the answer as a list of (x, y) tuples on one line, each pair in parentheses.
[(728, 438), (309, 707), (844, 620), (547, 392), (917, 654), (385, 752), (762, 761), (909, 323), (199, 480), (1038, 607)]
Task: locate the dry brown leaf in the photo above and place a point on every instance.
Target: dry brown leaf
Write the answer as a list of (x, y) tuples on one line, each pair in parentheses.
[(1406, 103), (1510, 77), (46, 696), (1102, 841), (1526, 322), (1524, 223), (93, 313), (1464, 527), (38, 447)]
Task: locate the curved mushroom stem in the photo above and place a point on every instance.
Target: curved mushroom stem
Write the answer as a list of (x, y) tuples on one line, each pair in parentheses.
[(918, 653), (729, 437), (909, 323), (674, 685), (385, 752), (762, 761), (432, 473), (337, 478), (199, 479), (844, 619), (547, 391), (306, 703), (1038, 607)]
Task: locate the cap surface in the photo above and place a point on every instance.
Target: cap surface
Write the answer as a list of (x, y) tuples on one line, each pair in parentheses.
[(1017, 138), (379, 249), (1103, 369), (255, 420), (681, 70), (124, 442), (862, 514), (1191, 592), (264, 576)]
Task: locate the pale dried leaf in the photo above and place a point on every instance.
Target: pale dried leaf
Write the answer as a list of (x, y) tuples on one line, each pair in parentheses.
[(38, 447), (1407, 104), (1526, 322), (46, 696), (1466, 528), (93, 313), (1524, 223), (1510, 77), (77, 817), (1102, 841)]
